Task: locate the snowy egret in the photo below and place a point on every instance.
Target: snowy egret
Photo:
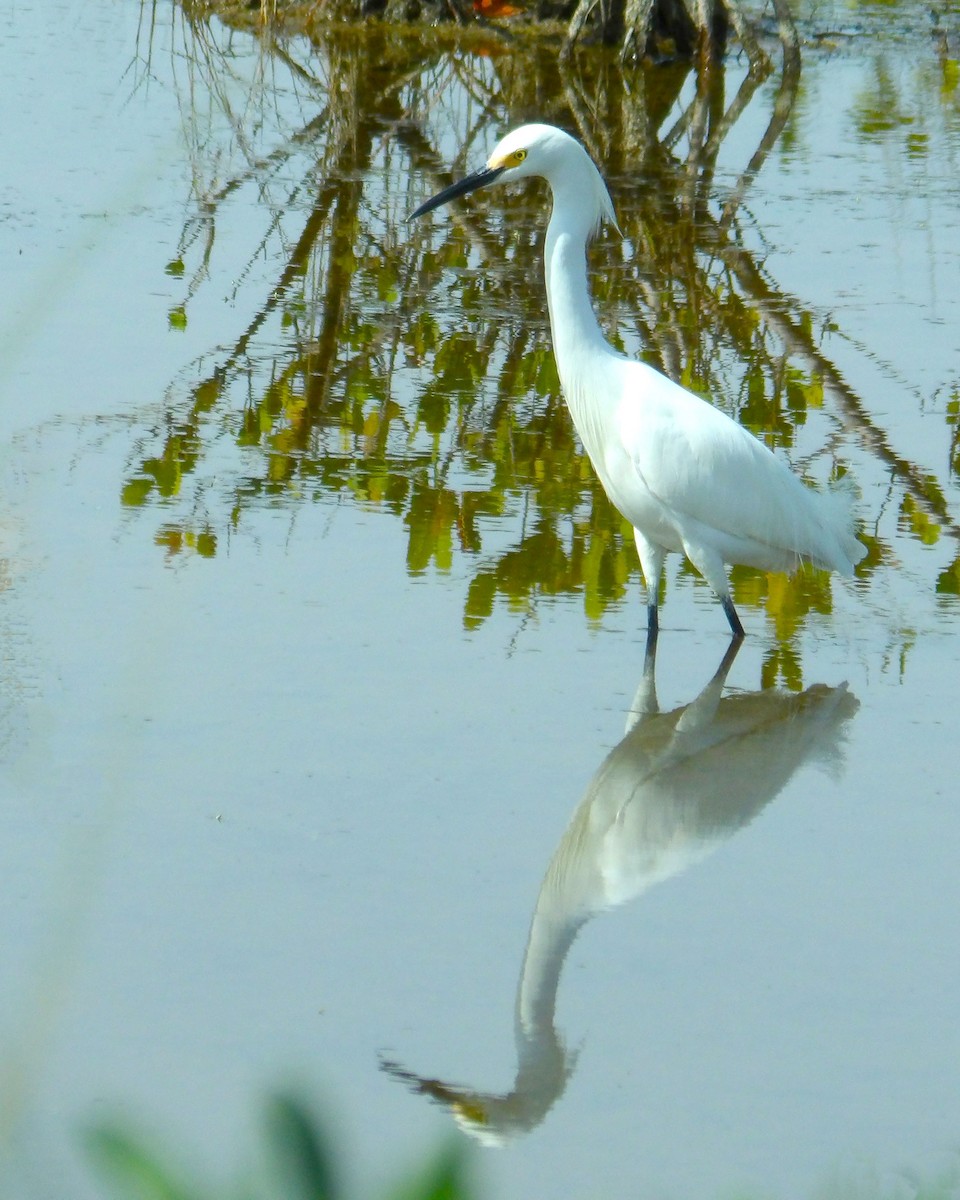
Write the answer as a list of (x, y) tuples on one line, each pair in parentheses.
[(686, 476)]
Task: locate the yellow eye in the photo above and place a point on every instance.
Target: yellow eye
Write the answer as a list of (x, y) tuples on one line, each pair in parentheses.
[(519, 156)]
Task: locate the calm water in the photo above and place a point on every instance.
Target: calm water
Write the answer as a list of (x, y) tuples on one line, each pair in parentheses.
[(316, 635)]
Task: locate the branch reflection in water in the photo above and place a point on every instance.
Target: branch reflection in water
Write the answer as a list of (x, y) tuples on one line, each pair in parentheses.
[(403, 375), (674, 789)]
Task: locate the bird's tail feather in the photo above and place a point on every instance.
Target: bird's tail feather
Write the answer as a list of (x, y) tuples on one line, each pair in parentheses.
[(839, 500)]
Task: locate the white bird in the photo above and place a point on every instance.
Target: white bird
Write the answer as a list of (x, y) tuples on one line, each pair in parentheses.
[(685, 475)]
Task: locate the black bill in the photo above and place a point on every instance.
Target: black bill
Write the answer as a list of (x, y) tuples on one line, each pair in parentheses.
[(478, 179)]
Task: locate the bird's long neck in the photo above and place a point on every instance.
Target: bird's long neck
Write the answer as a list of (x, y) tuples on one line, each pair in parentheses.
[(578, 344)]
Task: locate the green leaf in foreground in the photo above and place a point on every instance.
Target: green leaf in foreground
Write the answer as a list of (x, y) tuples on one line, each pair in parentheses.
[(445, 1178), (299, 1152), (134, 1173)]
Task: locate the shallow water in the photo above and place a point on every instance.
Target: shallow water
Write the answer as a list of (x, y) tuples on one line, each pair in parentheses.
[(316, 633)]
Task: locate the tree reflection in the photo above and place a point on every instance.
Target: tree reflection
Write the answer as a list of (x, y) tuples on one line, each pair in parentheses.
[(412, 372)]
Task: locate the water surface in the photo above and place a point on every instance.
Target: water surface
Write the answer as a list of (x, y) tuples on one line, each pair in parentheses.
[(317, 633)]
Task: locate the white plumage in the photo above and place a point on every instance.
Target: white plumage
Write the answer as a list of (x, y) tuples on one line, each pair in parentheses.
[(687, 477)]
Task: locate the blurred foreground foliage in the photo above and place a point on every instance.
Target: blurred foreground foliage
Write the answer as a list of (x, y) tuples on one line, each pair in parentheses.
[(299, 1164)]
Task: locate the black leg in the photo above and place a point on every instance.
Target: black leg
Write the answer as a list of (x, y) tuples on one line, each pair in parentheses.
[(650, 651), (735, 626), (653, 621)]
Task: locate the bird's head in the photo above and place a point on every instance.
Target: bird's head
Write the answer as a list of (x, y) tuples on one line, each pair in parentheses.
[(536, 150)]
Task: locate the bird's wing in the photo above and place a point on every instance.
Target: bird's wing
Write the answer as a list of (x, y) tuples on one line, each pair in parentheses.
[(701, 466)]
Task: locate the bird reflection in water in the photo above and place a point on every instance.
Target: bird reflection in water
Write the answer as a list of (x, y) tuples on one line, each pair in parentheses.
[(676, 787)]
